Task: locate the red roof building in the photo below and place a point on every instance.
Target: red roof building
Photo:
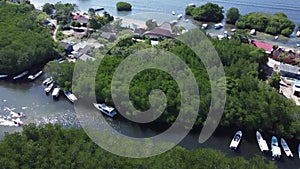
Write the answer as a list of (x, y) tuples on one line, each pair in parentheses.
[(266, 46)]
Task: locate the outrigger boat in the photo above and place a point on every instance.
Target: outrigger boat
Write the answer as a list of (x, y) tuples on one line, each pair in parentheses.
[(276, 152), (56, 92), (49, 88), (286, 148), (14, 114), (20, 75), (48, 81), (261, 142), (236, 140)]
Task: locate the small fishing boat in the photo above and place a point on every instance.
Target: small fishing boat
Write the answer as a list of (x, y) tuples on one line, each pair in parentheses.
[(204, 26), (298, 44), (47, 81), (33, 77), (55, 92), (252, 32), (298, 33), (236, 140), (173, 12), (276, 37), (187, 20), (299, 151), (179, 16), (261, 142), (20, 75), (174, 22), (286, 148), (3, 76), (70, 96), (276, 152), (191, 5), (49, 88), (110, 111), (99, 9), (218, 26), (14, 114), (233, 30)]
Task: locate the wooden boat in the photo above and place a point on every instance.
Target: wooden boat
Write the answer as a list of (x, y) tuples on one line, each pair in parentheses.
[(20, 75), (110, 111), (99, 9), (70, 96), (286, 148), (236, 140), (55, 92), (261, 142), (33, 77), (276, 152)]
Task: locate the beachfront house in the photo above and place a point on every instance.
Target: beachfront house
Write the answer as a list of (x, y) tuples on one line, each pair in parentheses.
[(67, 46), (163, 30), (289, 57), (266, 46)]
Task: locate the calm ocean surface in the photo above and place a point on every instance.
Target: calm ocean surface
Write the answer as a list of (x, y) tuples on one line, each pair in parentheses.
[(290, 7)]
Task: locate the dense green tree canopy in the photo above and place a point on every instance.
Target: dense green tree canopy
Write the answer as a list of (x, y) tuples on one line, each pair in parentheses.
[(250, 102), (123, 6), (50, 146), (24, 42), (209, 12), (272, 24), (232, 15)]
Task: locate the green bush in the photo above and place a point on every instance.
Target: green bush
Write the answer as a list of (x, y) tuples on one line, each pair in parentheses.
[(123, 6), (209, 12)]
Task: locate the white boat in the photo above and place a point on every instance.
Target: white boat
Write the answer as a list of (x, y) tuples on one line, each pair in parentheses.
[(173, 12), (110, 111), (286, 148), (276, 152), (218, 26), (20, 75), (298, 44), (187, 20), (49, 88), (33, 77), (4, 122), (174, 22), (55, 92), (47, 81), (191, 5), (18, 121), (252, 32), (261, 142), (179, 16), (204, 26), (70, 96), (14, 114), (233, 30), (3, 76), (298, 33), (276, 37), (236, 140), (299, 151)]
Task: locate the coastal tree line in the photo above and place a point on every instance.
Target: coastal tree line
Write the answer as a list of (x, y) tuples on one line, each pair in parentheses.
[(24, 40), (51, 146), (250, 104), (272, 24)]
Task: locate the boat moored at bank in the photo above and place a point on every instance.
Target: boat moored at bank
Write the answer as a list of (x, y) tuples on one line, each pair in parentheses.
[(20, 75), (33, 77), (286, 148), (236, 140), (276, 152), (263, 146), (70, 96)]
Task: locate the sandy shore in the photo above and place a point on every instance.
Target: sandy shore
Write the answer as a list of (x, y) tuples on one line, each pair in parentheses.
[(129, 22)]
